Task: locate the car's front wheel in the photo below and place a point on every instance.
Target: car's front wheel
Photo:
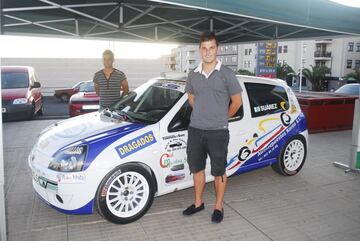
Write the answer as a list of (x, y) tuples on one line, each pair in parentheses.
[(292, 156), (126, 194)]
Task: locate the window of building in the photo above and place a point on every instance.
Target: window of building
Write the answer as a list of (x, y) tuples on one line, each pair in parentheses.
[(265, 99), (285, 49), (246, 52), (280, 49), (226, 48), (234, 48), (245, 64), (249, 51), (349, 64), (357, 47), (233, 59), (351, 46), (249, 64), (357, 64)]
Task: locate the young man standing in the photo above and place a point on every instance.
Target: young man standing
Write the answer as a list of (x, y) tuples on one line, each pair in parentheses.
[(215, 95), (109, 82)]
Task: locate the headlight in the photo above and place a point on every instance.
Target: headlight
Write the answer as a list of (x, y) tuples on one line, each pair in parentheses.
[(20, 101), (69, 160)]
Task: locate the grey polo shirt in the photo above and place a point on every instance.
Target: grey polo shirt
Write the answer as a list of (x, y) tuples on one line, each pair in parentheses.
[(212, 97), (109, 89)]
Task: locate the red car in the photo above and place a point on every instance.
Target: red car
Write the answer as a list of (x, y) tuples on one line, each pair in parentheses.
[(85, 101), (21, 93), (64, 94)]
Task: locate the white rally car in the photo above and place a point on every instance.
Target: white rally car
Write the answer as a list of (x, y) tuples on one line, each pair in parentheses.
[(117, 160)]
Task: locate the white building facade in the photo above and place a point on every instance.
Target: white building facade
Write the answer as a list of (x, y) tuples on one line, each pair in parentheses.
[(341, 55)]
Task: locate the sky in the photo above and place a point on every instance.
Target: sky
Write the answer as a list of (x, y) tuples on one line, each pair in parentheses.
[(45, 47)]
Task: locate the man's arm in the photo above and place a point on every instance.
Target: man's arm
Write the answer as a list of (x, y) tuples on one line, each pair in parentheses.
[(191, 99), (124, 87), (97, 89), (235, 104)]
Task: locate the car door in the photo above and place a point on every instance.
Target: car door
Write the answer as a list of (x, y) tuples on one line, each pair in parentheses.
[(173, 160), (239, 126), (268, 119)]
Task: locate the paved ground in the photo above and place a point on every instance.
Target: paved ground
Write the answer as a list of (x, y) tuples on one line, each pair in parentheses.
[(54, 108), (320, 203)]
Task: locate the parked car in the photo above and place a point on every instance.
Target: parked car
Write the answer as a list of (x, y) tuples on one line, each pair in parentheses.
[(21, 93), (117, 160), (85, 101), (349, 89), (64, 94)]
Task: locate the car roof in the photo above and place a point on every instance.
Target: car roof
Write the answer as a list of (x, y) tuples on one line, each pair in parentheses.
[(179, 76), (17, 68)]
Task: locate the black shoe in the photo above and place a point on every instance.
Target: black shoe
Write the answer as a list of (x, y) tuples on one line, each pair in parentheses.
[(192, 209), (217, 216)]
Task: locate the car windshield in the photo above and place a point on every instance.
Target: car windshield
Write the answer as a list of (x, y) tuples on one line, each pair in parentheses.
[(77, 85), (349, 89), (87, 87), (151, 101), (14, 80)]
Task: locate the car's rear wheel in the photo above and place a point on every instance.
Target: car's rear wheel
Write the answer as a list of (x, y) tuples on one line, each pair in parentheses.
[(126, 194), (292, 156), (64, 98)]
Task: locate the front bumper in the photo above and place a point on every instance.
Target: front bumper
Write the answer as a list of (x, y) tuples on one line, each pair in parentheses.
[(66, 192), (15, 112)]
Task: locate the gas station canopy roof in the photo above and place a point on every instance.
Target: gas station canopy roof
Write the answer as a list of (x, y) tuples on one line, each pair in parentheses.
[(179, 20)]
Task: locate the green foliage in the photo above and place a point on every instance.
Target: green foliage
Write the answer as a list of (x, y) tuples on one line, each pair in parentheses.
[(315, 75)]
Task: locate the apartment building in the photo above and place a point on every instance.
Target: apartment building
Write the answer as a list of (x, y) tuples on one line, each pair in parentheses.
[(340, 55)]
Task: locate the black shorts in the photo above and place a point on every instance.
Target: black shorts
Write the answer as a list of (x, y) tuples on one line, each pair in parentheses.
[(202, 143)]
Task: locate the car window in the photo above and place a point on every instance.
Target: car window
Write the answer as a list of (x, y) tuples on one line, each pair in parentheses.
[(13, 80), (349, 89), (151, 103), (181, 120), (266, 99), (87, 87)]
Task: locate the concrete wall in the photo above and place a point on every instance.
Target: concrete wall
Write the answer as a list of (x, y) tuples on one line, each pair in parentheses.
[(58, 73)]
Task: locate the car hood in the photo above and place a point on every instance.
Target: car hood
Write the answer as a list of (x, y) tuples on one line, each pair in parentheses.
[(82, 96), (81, 129), (10, 94)]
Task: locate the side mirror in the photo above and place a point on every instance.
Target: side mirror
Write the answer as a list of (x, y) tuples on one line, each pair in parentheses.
[(36, 85), (180, 124)]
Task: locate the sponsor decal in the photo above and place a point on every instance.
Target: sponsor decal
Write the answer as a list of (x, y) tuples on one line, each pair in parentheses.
[(167, 160), (265, 107), (71, 178), (45, 183), (135, 144), (174, 177), (173, 136)]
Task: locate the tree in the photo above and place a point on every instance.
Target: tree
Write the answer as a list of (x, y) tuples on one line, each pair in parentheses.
[(245, 72), (315, 75), (283, 70), (354, 75)]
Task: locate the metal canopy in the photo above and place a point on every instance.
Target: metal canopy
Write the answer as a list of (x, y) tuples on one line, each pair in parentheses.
[(179, 20)]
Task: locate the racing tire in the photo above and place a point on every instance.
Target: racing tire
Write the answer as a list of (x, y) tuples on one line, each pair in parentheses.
[(244, 153), (125, 194), (292, 156), (285, 119)]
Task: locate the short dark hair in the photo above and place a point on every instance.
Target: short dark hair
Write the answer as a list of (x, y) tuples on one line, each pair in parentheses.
[(208, 36)]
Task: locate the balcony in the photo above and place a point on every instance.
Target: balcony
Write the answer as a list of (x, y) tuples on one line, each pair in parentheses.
[(326, 55)]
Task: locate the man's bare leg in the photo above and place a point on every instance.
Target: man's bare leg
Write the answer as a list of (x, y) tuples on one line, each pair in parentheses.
[(199, 186), (220, 186)]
